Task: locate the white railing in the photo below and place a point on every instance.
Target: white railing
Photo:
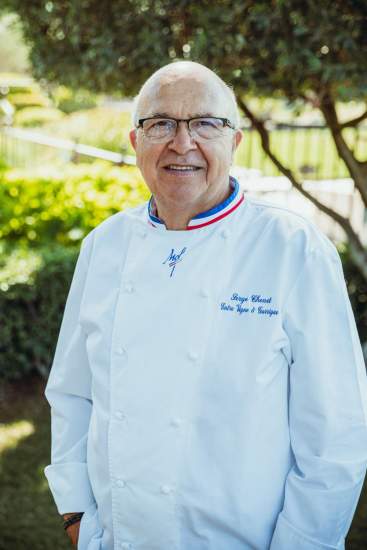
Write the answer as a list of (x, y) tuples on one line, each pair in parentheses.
[(72, 147)]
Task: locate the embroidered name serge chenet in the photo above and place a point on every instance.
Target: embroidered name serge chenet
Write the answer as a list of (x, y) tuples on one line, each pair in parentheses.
[(245, 304), (174, 258)]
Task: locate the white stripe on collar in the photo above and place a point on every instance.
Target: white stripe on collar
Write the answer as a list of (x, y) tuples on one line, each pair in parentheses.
[(208, 217)]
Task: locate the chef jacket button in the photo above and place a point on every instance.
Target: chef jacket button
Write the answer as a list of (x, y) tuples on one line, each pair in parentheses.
[(176, 422), (120, 483), (128, 287), (192, 356), (121, 351), (166, 489), (142, 233), (204, 293), (225, 234), (126, 546), (119, 415)]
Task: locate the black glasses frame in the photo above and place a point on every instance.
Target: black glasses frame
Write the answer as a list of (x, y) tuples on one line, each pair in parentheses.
[(226, 121)]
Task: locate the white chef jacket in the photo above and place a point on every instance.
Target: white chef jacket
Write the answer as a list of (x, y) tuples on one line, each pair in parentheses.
[(208, 390)]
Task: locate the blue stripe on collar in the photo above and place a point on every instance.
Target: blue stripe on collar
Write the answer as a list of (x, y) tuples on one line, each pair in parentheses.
[(213, 214), (235, 185), (151, 209)]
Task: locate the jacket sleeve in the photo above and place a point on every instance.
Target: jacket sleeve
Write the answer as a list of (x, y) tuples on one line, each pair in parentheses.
[(68, 392), (327, 409)]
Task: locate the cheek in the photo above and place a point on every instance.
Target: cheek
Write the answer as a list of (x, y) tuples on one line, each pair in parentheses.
[(147, 158), (218, 158)]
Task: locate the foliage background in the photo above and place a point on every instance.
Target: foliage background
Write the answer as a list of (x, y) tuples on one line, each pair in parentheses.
[(298, 53), (44, 217)]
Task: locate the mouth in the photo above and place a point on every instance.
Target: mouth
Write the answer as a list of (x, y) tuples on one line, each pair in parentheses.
[(182, 169)]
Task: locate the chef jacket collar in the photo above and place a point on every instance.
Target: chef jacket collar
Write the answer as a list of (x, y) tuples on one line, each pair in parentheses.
[(208, 217)]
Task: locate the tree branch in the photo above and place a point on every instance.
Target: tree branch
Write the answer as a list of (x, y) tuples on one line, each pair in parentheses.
[(315, 101), (356, 168), (354, 121), (265, 141)]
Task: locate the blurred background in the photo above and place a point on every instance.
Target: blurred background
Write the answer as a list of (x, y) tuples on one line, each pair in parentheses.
[(68, 73)]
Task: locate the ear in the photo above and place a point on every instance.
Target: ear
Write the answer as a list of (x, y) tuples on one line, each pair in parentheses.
[(236, 140), (132, 137)]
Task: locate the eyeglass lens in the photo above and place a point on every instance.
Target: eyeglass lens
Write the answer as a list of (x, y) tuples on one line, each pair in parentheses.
[(205, 128)]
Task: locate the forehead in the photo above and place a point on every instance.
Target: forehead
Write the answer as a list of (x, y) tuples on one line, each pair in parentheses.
[(184, 97)]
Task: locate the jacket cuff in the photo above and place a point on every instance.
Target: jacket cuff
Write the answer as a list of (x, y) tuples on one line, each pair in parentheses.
[(70, 486), (286, 536)]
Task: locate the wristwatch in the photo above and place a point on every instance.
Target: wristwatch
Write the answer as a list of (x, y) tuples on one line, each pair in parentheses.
[(73, 518)]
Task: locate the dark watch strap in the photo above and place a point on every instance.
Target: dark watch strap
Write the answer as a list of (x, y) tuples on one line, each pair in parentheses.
[(73, 519)]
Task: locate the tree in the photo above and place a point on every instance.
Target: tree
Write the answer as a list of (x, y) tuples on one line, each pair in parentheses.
[(310, 52)]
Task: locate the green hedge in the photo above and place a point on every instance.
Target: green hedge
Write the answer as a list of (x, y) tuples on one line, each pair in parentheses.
[(31, 309), (32, 117), (61, 205), (69, 101), (102, 126), (43, 217)]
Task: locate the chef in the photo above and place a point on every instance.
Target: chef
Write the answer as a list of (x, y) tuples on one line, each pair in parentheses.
[(208, 390)]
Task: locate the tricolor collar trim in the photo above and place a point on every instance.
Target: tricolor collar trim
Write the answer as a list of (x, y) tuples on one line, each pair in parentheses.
[(209, 216)]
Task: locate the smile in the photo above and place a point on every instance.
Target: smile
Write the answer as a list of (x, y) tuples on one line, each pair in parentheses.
[(183, 169)]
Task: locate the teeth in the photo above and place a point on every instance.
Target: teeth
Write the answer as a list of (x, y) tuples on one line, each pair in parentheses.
[(177, 167)]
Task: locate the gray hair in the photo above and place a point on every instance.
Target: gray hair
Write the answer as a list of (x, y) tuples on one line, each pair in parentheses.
[(154, 80)]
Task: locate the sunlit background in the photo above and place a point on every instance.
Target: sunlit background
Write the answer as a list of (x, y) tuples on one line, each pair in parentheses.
[(66, 164)]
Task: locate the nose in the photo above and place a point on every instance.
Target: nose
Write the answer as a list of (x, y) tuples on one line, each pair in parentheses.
[(182, 142)]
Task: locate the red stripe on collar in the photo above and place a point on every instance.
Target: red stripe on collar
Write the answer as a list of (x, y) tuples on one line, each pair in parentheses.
[(241, 199)]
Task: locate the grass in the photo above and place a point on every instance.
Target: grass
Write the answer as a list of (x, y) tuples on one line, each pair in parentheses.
[(28, 516)]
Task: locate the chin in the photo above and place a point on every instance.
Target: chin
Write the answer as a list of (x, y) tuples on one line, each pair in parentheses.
[(188, 193)]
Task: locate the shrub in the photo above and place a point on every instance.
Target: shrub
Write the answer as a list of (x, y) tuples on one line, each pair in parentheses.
[(37, 116), (103, 127), (44, 217), (68, 100), (53, 205), (31, 103), (28, 99), (32, 301)]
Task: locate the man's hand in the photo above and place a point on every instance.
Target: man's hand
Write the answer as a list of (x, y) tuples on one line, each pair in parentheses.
[(73, 530)]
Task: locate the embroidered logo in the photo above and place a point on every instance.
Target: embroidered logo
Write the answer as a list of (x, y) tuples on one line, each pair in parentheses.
[(253, 304), (174, 258)]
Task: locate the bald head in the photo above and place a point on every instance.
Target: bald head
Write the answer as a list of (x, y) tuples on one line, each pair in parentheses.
[(200, 76)]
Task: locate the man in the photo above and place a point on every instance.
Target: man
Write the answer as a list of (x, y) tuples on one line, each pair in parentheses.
[(208, 389)]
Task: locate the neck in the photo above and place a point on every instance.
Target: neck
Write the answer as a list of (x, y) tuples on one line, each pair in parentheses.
[(176, 221), (175, 217)]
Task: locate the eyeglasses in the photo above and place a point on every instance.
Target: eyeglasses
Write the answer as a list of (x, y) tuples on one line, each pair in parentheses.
[(200, 128)]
